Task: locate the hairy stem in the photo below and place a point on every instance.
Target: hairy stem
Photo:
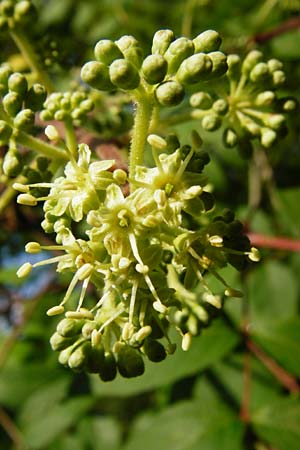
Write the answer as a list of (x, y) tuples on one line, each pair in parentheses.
[(71, 140), (45, 149)]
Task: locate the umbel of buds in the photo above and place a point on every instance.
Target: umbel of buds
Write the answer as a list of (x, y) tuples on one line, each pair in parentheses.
[(145, 262), (173, 65)]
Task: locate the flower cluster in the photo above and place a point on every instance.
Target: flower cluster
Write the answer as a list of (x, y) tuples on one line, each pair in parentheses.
[(251, 108), (67, 106), (140, 254), (16, 13), (172, 65)]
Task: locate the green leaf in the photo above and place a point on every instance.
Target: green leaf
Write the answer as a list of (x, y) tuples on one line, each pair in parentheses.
[(106, 433), (273, 293), (211, 346), (286, 45), (289, 215), (59, 418), (278, 424), (281, 341)]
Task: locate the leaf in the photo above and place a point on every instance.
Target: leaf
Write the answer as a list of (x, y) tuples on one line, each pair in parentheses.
[(289, 215), (211, 346), (281, 341), (278, 424), (48, 427), (286, 45), (106, 433)]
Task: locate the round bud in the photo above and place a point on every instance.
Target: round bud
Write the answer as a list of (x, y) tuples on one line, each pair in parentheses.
[(219, 64), (275, 121), (130, 362), (12, 164), (289, 104), (96, 74), (253, 58), (230, 138), (220, 106), (154, 68), (268, 137), (79, 356), (194, 68), (106, 51), (12, 103), (108, 369), (278, 78), (265, 98), (131, 50), (201, 100), (124, 75), (18, 83), (154, 350), (35, 97), (69, 327), (24, 119), (234, 67), (161, 41), (259, 73), (5, 132), (211, 122), (169, 93), (178, 51), (207, 41), (274, 64), (65, 355), (59, 342)]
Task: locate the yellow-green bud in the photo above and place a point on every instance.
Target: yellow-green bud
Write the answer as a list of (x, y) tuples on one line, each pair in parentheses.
[(79, 356), (265, 98), (59, 342), (51, 133), (131, 50), (5, 132), (108, 369), (120, 176), (207, 41), (178, 51), (96, 74), (230, 138), (69, 327), (154, 68), (254, 57), (201, 100), (154, 350), (18, 83), (24, 11), (274, 64), (234, 67), (12, 103), (186, 341), (130, 362), (24, 119), (194, 68), (278, 78), (259, 73), (268, 137), (211, 122), (161, 41), (106, 51), (169, 93), (124, 75), (220, 106), (219, 64), (12, 163)]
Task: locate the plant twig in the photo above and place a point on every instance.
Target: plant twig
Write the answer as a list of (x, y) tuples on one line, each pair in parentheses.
[(274, 242), (291, 24), (11, 429)]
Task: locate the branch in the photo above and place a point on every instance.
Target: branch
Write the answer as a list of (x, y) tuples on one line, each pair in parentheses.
[(11, 429), (290, 24), (274, 242)]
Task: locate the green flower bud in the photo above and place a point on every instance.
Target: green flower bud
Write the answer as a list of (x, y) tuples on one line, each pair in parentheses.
[(106, 51), (154, 68), (274, 64), (220, 106), (95, 359), (24, 11), (254, 57), (259, 73), (61, 115), (178, 51), (12, 103), (64, 356), (289, 104), (219, 64), (35, 97), (131, 50), (24, 119), (268, 137), (46, 115), (12, 163), (161, 41), (169, 93), (265, 98), (96, 74), (108, 369), (201, 100), (5, 73), (275, 121), (79, 356), (124, 75), (154, 350), (234, 67), (230, 138), (194, 68), (130, 362), (278, 78), (18, 83), (207, 41), (69, 327), (211, 122), (59, 342), (5, 132)]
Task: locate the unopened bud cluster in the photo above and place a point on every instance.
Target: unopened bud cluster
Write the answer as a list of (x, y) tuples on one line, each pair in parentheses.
[(16, 13), (147, 266), (67, 106), (172, 65), (251, 109)]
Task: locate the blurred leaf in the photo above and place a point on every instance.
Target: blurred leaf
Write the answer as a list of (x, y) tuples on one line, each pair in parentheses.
[(286, 45), (48, 427), (106, 433), (214, 343), (281, 340), (278, 423), (273, 293), (289, 215)]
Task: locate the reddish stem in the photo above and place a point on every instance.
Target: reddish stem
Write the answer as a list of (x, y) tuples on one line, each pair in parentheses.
[(290, 24), (274, 242)]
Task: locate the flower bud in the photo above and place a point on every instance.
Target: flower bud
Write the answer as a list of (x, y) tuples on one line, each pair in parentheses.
[(169, 93), (131, 50), (275, 121), (274, 64), (5, 73), (201, 100), (96, 74), (59, 342), (230, 138), (12, 163), (12, 103), (154, 350), (69, 327), (207, 41), (194, 68), (178, 51), (124, 75), (108, 369), (259, 73), (5, 132), (186, 341), (24, 120), (289, 104), (265, 98), (211, 122), (106, 51), (219, 64), (18, 83), (268, 137), (130, 362), (65, 355), (220, 106), (278, 78), (161, 41), (79, 356), (254, 57), (234, 67), (154, 69), (35, 97)]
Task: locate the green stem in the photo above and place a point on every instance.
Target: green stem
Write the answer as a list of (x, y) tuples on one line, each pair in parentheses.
[(141, 125), (48, 150), (71, 140), (30, 57)]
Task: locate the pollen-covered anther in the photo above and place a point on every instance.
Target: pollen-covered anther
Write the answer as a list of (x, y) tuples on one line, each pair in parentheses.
[(127, 331), (254, 255), (27, 200), (52, 133), (55, 310), (85, 271), (230, 292), (143, 333), (142, 268), (96, 338), (21, 187), (216, 241), (159, 307), (157, 142), (33, 247), (186, 341), (160, 197), (24, 270)]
